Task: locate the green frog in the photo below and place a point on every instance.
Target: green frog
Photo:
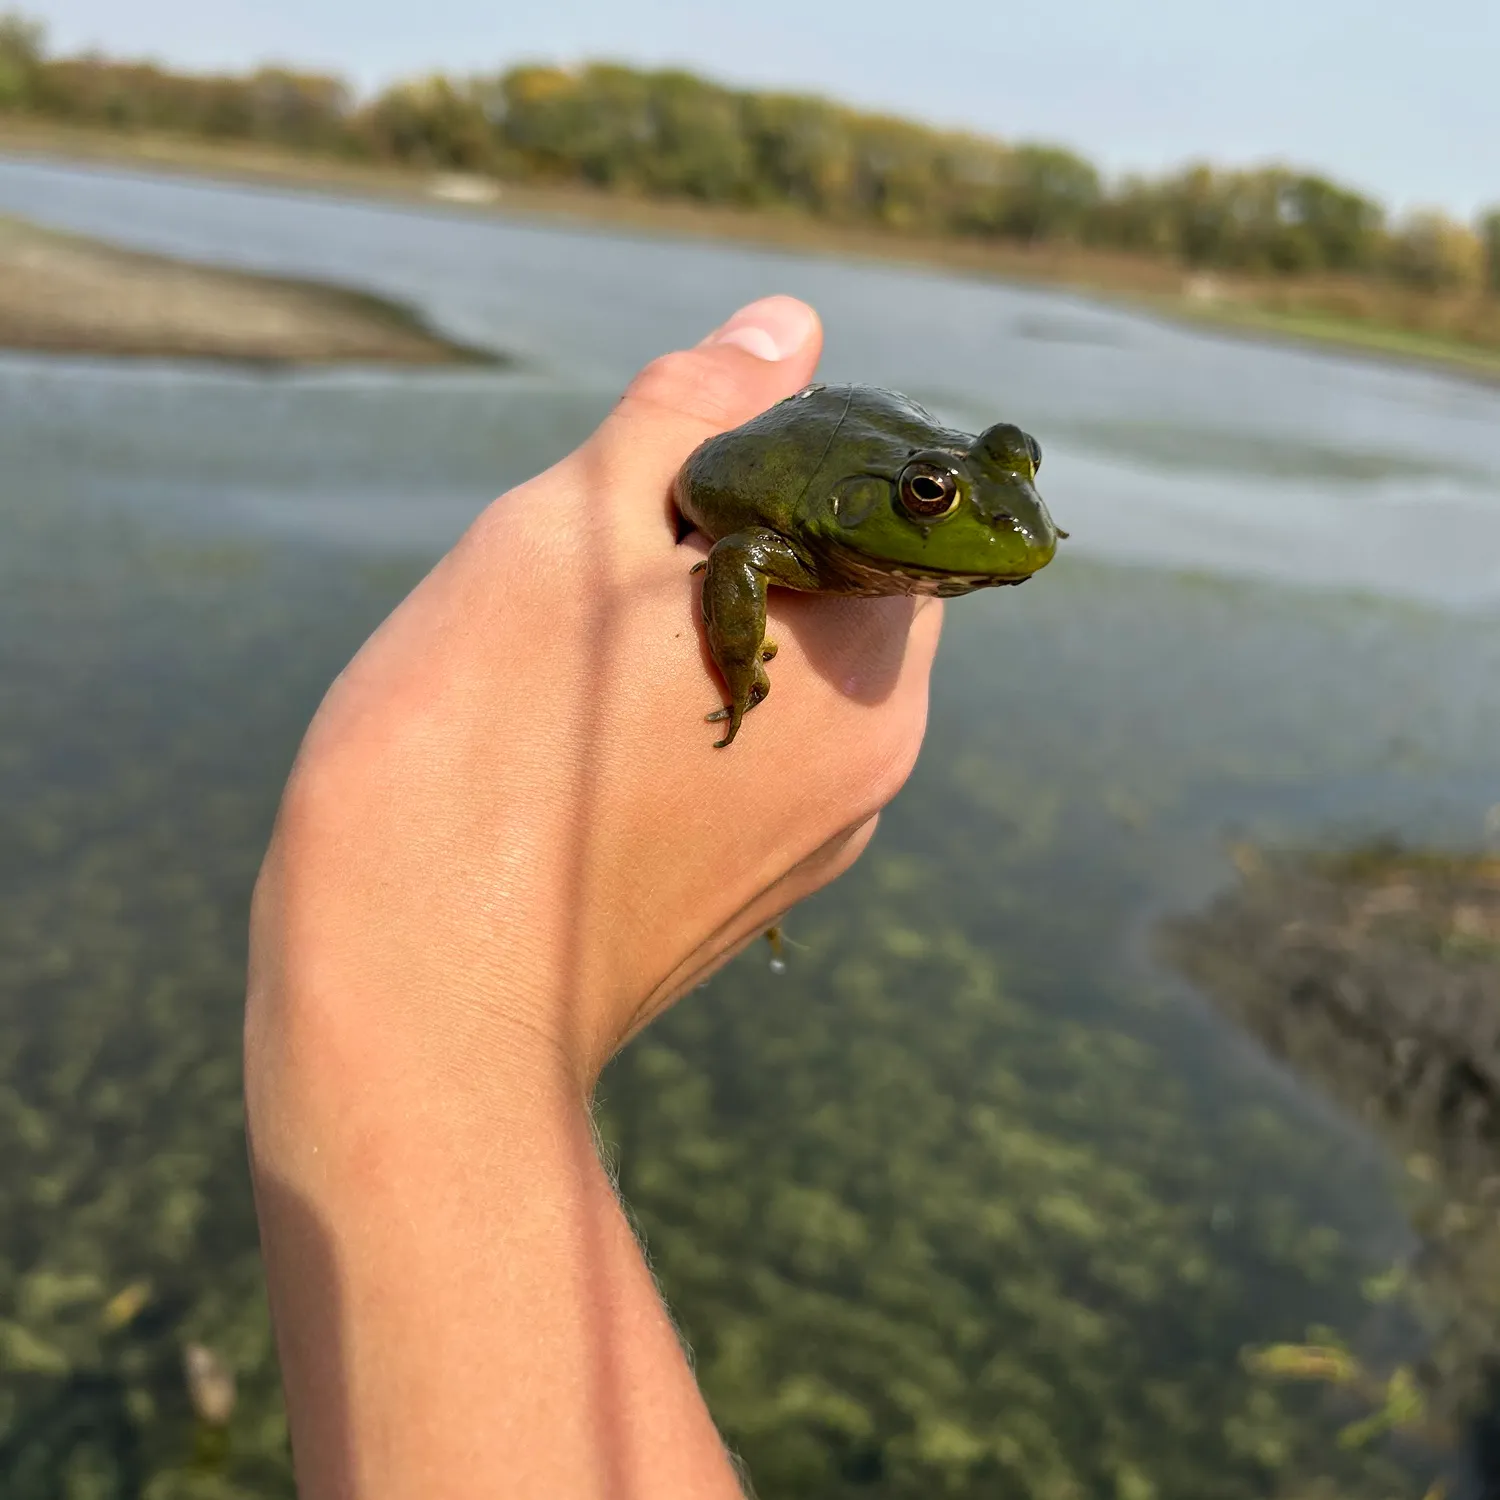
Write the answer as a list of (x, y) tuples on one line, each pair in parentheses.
[(849, 489)]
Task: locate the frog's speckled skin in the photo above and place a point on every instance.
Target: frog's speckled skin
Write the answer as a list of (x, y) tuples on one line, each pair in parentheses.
[(821, 493)]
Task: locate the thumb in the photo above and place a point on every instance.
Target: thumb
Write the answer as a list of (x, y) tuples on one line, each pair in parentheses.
[(765, 352)]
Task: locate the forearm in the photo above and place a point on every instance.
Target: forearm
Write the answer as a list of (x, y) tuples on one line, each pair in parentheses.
[(460, 1305)]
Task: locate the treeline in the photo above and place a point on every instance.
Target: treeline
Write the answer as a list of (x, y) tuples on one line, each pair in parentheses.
[(670, 134)]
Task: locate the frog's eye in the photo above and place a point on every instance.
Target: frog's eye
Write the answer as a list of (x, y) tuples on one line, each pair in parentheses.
[(1036, 452), (928, 492)]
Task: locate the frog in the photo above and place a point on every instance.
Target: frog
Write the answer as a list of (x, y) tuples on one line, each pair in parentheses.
[(855, 490)]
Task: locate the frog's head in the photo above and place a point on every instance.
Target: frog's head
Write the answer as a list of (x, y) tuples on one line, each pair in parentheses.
[(967, 512)]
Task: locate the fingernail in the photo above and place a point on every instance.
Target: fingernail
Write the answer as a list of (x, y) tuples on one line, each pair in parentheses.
[(773, 328)]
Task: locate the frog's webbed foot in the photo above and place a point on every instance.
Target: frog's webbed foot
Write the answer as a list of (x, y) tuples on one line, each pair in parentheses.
[(739, 569)]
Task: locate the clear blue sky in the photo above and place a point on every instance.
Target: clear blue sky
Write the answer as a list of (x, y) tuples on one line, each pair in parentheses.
[(1401, 99)]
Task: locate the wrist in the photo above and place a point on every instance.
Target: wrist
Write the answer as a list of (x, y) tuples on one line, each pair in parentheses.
[(450, 1273), (364, 977)]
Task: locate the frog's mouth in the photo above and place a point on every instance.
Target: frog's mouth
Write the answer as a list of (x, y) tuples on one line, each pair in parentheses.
[(946, 585)]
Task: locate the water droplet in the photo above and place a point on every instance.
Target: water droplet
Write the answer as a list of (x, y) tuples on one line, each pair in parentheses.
[(778, 966)]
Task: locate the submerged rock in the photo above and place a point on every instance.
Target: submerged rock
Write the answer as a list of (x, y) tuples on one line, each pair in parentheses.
[(1375, 972)]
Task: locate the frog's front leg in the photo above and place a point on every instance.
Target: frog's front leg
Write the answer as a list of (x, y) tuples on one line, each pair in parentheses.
[(734, 609)]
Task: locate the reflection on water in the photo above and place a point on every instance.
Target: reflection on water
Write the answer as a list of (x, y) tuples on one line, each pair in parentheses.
[(975, 1198)]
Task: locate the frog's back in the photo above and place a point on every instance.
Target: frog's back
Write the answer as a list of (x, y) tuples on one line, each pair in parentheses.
[(768, 472)]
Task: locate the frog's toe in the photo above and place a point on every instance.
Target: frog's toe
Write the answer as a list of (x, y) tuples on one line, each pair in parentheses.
[(736, 711), (734, 716)]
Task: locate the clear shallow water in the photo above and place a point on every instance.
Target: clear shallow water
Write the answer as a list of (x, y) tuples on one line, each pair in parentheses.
[(981, 1174)]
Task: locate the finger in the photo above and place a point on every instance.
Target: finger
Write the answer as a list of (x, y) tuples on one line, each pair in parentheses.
[(765, 352)]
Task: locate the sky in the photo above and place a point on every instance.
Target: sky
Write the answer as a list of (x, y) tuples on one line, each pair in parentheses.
[(1400, 100)]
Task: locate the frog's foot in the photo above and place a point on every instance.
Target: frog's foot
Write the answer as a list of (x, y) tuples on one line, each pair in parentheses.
[(734, 611), (735, 712)]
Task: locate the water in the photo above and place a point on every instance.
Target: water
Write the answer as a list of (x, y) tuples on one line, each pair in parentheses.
[(974, 1198)]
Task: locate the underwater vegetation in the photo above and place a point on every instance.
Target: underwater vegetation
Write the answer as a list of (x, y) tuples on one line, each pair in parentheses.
[(925, 1239)]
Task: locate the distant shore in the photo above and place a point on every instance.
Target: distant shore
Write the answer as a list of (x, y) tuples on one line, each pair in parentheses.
[(1243, 308), (61, 294)]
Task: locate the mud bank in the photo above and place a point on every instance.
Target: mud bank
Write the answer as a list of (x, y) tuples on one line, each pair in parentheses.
[(61, 294)]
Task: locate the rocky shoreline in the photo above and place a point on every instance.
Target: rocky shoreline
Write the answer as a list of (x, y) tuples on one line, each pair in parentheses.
[(62, 294)]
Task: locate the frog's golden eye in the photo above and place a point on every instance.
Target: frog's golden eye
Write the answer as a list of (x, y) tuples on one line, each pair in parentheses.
[(1036, 452), (928, 493)]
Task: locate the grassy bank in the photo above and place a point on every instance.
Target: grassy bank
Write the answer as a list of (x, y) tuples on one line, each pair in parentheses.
[(1448, 331)]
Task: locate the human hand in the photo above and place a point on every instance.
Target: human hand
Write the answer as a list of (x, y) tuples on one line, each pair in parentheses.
[(507, 843), (507, 819)]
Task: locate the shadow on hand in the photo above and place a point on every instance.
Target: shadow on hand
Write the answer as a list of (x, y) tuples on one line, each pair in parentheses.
[(308, 1309), (856, 645)]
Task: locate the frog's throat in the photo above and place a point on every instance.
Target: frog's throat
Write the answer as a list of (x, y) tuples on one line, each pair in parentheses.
[(847, 571)]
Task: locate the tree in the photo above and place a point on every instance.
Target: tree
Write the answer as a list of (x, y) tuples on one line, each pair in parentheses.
[(1489, 237), (1049, 194), (1137, 216), (1345, 226), (309, 110), (432, 123), (1431, 251), (22, 44), (698, 147), (800, 151), (595, 124), (1195, 205), (893, 181)]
